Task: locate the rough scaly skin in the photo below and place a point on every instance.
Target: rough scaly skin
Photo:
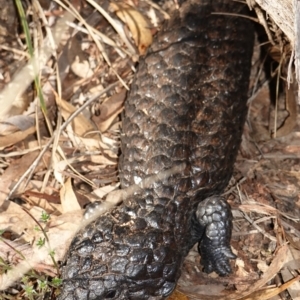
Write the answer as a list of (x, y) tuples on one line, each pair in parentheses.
[(187, 104)]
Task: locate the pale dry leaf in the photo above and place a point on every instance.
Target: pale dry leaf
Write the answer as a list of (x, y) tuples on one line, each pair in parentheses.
[(108, 141), (258, 208), (93, 144), (78, 59), (293, 240), (116, 25), (291, 107), (58, 167), (262, 266), (14, 218), (282, 12), (15, 273), (81, 125), (35, 184), (102, 160), (276, 265), (103, 191), (255, 290), (89, 144), (68, 198), (239, 263), (207, 292), (100, 37), (109, 110), (269, 293), (137, 24), (60, 232), (115, 127), (14, 171), (241, 273), (96, 89), (16, 123), (293, 263), (16, 137), (81, 68), (61, 164), (98, 159), (18, 106), (8, 255), (37, 199)]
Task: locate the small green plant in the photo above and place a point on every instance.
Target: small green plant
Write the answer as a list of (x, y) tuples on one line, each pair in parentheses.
[(42, 285), (56, 282), (37, 228), (4, 266), (30, 291), (41, 242), (45, 217)]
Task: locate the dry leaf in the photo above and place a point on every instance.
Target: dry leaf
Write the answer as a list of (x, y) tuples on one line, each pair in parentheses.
[(259, 208), (262, 266), (268, 293), (58, 167), (291, 107), (42, 200), (15, 107), (257, 287), (14, 171), (16, 123), (288, 274), (104, 190), (277, 263), (78, 60), (81, 125), (136, 23), (60, 233), (14, 218), (241, 273), (16, 137), (68, 197), (109, 110), (102, 160), (177, 295), (93, 144)]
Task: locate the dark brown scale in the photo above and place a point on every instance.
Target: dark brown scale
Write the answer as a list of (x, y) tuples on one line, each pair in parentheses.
[(187, 104)]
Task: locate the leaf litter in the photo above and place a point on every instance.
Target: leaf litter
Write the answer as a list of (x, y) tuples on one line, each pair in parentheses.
[(57, 167)]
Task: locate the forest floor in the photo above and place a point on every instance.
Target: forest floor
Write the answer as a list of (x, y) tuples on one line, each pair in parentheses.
[(59, 147)]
